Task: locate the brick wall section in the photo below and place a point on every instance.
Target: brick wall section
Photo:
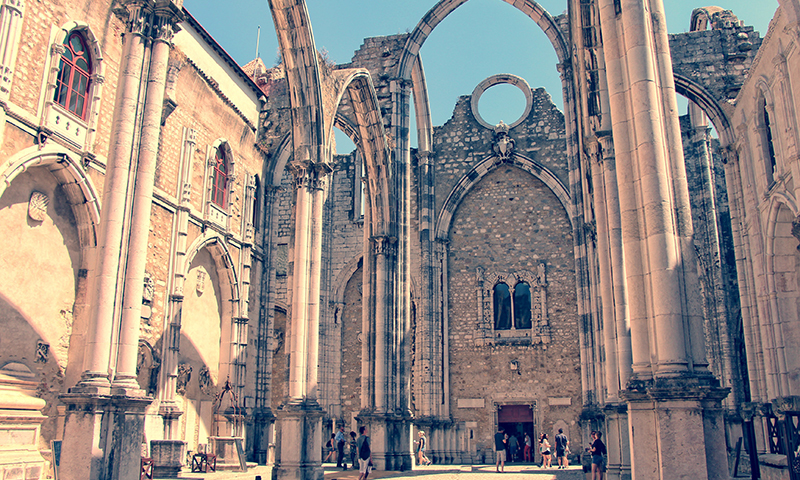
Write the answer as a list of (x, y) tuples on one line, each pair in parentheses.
[(512, 221)]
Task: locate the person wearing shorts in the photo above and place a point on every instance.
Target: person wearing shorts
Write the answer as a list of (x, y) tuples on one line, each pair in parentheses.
[(500, 450)]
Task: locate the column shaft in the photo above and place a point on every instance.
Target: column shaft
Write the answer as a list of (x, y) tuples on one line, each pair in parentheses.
[(115, 191), (300, 272), (136, 259)]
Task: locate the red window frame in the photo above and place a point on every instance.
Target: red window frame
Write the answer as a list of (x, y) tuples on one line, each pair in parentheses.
[(74, 76), (219, 185)]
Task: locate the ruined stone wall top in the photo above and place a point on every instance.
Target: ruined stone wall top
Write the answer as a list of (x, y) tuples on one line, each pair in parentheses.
[(719, 59)]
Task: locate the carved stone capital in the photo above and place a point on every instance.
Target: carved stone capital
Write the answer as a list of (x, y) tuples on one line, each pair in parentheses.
[(57, 49), (98, 79), (384, 245), (191, 136), (308, 174)]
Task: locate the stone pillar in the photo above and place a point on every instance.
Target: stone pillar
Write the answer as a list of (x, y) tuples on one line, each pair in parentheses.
[(670, 388), (115, 191), (300, 419), (136, 258)]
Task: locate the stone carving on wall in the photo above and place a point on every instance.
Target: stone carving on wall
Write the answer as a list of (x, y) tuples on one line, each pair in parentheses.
[(796, 229), (205, 380), (37, 206), (503, 144), (200, 286), (184, 375), (149, 288), (42, 351), (277, 341), (540, 324)]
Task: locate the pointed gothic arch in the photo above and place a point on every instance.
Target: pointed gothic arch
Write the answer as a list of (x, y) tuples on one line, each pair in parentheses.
[(483, 168)]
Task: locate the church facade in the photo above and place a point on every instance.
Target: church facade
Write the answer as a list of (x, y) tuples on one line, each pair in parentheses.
[(192, 268)]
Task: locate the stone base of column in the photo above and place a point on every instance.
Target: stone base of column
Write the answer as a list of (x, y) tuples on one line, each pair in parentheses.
[(263, 431), (299, 431), (168, 457), (103, 437), (616, 432), (391, 438), (676, 428), (21, 421)]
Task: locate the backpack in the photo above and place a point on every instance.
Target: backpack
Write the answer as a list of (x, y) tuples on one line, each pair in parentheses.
[(364, 451)]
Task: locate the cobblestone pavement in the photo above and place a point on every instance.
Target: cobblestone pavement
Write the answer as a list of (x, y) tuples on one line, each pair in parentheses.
[(433, 472)]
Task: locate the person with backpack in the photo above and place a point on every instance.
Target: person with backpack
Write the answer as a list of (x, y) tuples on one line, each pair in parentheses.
[(364, 453), (330, 447)]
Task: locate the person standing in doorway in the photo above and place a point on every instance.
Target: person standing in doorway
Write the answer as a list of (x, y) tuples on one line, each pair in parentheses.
[(364, 453), (562, 445), (513, 445), (500, 450), (340, 448), (527, 451)]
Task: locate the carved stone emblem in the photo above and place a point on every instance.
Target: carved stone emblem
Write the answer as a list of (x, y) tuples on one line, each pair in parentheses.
[(184, 375), (201, 282), (37, 206), (503, 144), (42, 351)]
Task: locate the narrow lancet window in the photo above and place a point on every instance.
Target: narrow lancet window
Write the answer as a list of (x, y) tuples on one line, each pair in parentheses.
[(522, 306), (502, 307), (220, 186)]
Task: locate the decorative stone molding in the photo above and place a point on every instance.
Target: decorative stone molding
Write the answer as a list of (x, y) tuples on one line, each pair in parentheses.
[(37, 206), (200, 286), (148, 292), (540, 323), (509, 79)]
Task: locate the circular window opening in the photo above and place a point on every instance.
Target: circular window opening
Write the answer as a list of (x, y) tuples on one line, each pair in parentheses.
[(502, 102)]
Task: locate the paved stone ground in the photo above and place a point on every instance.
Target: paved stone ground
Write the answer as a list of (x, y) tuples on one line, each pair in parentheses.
[(433, 472)]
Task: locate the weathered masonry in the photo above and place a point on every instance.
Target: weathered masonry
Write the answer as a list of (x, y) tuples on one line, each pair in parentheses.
[(190, 266)]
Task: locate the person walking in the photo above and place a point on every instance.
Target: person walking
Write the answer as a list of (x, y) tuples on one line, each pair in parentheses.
[(598, 451), (340, 441), (527, 451), (513, 445), (562, 447), (422, 445), (544, 448), (364, 453), (500, 450), (331, 447)]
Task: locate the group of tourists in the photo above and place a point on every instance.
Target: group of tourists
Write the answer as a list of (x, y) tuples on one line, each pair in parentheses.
[(507, 449), (359, 448)]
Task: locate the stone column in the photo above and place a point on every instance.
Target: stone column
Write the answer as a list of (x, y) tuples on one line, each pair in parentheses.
[(263, 416), (300, 418), (115, 191), (136, 258), (670, 388)]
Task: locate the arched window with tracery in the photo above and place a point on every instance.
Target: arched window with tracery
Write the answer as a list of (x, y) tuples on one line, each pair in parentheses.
[(74, 74), (502, 307), (219, 185)]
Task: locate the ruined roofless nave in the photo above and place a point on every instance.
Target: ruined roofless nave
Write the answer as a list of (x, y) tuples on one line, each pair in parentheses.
[(189, 267)]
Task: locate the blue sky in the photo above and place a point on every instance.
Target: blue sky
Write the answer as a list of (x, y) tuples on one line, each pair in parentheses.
[(479, 39)]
